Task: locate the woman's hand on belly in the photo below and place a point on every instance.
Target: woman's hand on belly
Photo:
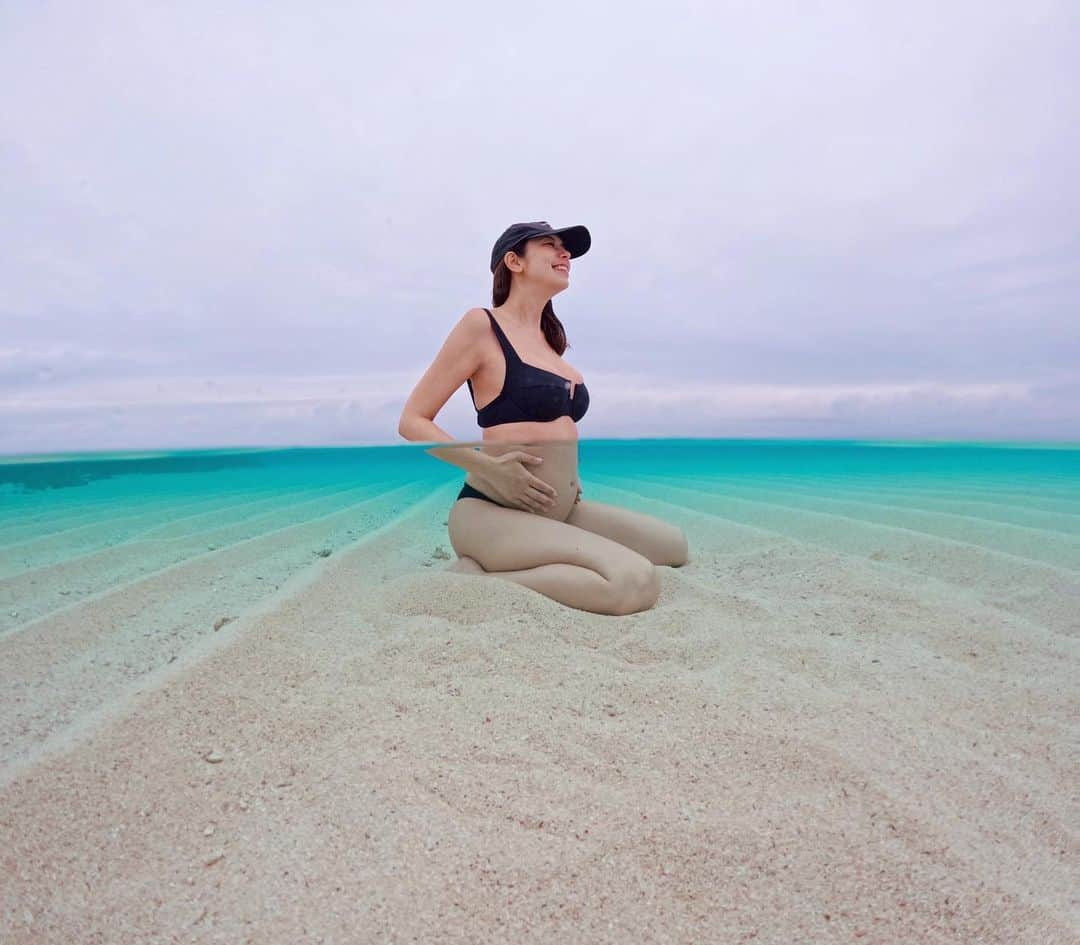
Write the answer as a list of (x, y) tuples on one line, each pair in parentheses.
[(559, 470), (565, 484)]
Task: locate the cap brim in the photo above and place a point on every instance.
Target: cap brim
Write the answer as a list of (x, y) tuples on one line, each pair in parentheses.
[(576, 239)]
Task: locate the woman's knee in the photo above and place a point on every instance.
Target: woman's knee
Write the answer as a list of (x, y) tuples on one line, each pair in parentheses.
[(680, 550), (634, 588)]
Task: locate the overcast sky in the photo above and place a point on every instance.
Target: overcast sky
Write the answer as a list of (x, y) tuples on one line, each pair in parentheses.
[(255, 223)]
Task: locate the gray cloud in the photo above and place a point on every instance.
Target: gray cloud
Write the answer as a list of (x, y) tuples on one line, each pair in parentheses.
[(838, 196)]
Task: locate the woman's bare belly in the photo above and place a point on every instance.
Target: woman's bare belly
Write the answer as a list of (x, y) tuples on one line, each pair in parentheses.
[(556, 441)]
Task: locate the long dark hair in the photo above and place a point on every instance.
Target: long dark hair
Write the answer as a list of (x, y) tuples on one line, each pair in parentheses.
[(549, 323)]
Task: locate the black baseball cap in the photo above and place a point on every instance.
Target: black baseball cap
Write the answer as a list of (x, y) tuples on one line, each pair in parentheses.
[(575, 238)]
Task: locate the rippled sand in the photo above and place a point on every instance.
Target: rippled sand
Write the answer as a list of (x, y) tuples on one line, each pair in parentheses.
[(851, 717)]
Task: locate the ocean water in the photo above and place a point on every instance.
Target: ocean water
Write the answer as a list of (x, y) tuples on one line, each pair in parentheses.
[(1019, 499), (115, 566), (1030, 485), (72, 527)]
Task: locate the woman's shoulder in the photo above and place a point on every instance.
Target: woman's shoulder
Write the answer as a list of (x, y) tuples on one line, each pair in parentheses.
[(475, 321), (471, 326)]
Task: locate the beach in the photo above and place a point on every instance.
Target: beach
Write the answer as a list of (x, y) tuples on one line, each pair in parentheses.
[(273, 716)]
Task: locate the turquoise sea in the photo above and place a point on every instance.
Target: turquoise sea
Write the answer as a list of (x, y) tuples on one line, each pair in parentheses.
[(143, 553), (77, 527), (1016, 493), (1017, 499)]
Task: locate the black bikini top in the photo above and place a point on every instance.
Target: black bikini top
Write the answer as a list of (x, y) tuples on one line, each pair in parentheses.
[(529, 393)]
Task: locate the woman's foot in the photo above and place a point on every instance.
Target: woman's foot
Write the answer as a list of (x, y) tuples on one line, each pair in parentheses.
[(466, 565)]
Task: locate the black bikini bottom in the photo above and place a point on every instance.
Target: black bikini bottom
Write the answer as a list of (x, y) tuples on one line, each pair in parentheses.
[(468, 492)]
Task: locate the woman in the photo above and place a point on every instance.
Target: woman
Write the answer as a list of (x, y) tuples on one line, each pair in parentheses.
[(520, 515)]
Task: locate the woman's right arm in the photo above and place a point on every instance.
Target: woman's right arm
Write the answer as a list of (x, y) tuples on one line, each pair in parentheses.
[(457, 361), (506, 474)]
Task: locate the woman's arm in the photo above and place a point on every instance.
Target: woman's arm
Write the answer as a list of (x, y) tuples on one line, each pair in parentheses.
[(456, 362)]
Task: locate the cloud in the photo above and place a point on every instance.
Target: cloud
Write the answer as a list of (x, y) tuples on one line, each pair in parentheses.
[(52, 366), (273, 410), (842, 217)]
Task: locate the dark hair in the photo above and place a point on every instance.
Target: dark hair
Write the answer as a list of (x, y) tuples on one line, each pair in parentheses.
[(549, 323)]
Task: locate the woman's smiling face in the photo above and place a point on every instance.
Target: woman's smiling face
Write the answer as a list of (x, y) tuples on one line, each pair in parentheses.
[(547, 260)]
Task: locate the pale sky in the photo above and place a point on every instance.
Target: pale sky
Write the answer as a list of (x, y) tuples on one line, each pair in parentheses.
[(255, 223)]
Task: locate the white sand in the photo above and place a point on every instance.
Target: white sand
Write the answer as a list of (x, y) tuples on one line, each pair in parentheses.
[(829, 729)]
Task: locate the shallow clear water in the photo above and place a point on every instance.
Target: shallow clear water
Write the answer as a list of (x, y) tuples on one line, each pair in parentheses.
[(95, 521), (37, 492), (112, 567)]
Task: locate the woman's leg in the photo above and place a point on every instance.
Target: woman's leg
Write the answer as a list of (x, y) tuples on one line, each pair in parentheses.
[(659, 541), (568, 564)]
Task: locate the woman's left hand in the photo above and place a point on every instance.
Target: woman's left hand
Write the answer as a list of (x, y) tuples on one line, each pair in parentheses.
[(577, 498)]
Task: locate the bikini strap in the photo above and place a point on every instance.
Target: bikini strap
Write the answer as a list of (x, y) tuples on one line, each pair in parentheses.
[(504, 342)]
